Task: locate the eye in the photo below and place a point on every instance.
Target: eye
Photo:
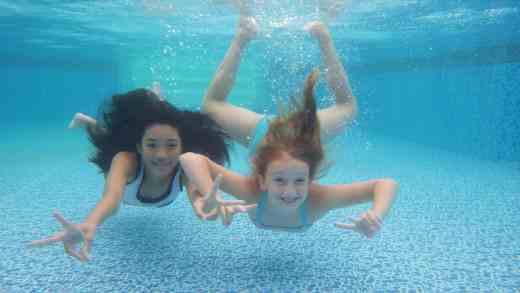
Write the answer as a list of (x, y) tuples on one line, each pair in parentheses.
[(172, 146), (279, 180), (151, 145), (300, 180)]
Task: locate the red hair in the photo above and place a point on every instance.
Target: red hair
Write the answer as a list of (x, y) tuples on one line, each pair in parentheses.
[(295, 133)]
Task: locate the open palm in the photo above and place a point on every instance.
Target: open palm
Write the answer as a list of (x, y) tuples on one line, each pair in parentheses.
[(367, 224), (71, 236), (225, 208)]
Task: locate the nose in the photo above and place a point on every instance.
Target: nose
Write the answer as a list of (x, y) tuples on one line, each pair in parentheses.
[(161, 153), (290, 191)]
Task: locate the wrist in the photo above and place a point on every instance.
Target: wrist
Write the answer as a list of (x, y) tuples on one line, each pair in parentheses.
[(379, 214), (92, 222)]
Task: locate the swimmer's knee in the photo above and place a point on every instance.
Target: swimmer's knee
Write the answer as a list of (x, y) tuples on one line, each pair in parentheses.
[(213, 108)]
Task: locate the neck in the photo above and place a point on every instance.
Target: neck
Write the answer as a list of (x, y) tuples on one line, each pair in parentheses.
[(151, 179)]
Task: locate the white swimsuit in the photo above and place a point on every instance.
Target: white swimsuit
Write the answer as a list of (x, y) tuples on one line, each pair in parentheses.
[(132, 196)]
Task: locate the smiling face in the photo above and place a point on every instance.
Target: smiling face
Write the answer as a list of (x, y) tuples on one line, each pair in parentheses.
[(160, 149), (286, 181)]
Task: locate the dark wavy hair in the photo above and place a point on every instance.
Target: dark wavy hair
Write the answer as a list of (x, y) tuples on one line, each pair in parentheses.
[(124, 118)]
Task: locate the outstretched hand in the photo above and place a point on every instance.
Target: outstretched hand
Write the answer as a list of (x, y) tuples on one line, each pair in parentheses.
[(367, 224), (225, 209), (71, 235)]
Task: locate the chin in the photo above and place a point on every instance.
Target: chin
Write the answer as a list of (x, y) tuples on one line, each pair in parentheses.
[(163, 173)]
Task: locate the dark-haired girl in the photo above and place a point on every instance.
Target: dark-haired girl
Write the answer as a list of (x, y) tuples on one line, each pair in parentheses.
[(138, 140)]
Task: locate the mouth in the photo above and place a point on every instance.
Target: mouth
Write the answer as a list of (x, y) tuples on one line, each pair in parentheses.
[(290, 200), (162, 164)]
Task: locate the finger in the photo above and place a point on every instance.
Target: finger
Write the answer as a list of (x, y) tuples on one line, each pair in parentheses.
[(211, 215), (224, 216), (87, 247), (377, 219), (72, 252), (367, 220), (64, 222), (346, 226), (47, 241), (229, 218), (376, 225), (244, 208), (374, 220), (224, 202)]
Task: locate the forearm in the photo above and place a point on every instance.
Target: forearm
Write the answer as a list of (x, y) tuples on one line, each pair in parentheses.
[(335, 73), (103, 210), (198, 170), (385, 191)]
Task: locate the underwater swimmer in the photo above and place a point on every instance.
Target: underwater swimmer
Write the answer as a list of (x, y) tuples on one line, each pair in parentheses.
[(137, 148), (286, 151)]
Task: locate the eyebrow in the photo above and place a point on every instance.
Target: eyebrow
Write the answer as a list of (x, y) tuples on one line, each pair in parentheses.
[(168, 140), (282, 172)]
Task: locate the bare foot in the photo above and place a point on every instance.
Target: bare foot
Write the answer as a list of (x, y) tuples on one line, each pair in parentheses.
[(332, 8), (243, 6), (82, 120), (156, 89), (318, 30), (247, 28)]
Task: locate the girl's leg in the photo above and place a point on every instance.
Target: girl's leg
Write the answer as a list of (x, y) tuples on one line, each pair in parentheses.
[(239, 122), (81, 120), (333, 119), (156, 89), (86, 122)]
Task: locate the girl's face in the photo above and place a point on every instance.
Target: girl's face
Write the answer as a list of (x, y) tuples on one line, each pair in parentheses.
[(286, 181), (160, 149)]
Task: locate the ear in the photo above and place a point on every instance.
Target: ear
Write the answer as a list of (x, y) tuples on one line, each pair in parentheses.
[(139, 148), (261, 182)]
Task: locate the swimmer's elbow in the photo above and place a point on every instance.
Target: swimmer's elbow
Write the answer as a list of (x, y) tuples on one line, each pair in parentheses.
[(390, 184), (188, 157)]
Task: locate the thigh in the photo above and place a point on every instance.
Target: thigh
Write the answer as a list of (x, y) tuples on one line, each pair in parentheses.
[(238, 122), (333, 120)]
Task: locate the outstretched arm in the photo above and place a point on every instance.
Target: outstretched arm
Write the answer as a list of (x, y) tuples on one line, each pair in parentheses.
[(333, 119), (73, 234), (201, 172), (239, 122), (380, 191), (122, 169)]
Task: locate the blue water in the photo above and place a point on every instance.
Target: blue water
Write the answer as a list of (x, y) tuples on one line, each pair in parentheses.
[(439, 99)]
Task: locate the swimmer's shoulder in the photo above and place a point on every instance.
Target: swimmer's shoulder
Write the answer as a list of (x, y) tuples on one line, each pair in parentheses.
[(126, 162)]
